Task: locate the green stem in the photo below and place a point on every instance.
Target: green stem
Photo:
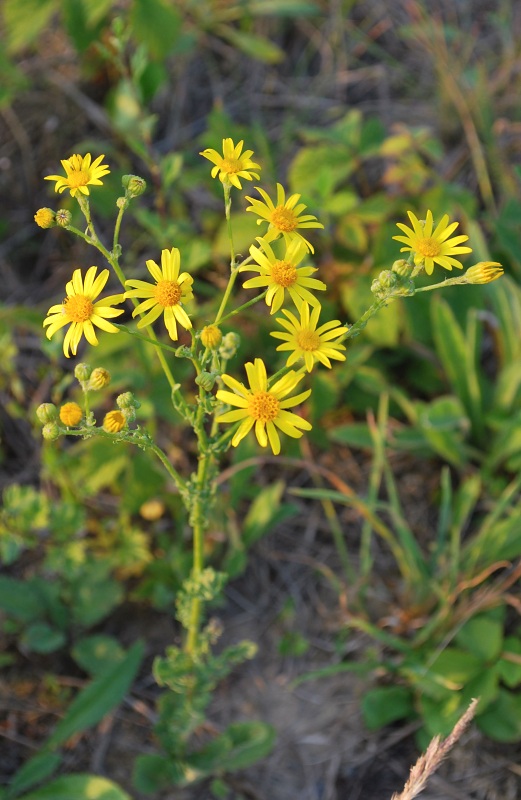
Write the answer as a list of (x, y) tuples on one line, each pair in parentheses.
[(245, 305), (233, 265), (199, 516), (357, 327)]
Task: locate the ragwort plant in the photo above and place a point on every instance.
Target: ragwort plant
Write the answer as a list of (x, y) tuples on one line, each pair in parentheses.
[(224, 409)]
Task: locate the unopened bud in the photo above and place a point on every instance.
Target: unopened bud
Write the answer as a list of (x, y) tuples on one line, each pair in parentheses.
[(63, 217), (82, 372), (229, 345), (402, 268), (47, 412), (114, 422), (71, 414), (211, 336), (206, 380), (122, 202), (127, 400), (51, 431), (134, 185), (99, 379), (484, 272), (45, 218), (183, 352)]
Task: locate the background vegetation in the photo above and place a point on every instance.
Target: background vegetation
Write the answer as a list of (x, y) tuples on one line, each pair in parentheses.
[(389, 542)]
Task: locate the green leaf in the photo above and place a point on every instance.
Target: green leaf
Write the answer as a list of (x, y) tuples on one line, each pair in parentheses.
[(454, 667), (241, 744), (263, 512), (157, 24), (79, 787), (96, 653), (40, 637), (509, 669), (482, 636), (25, 20), (35, 770), (99, 698), (444, 424), (257, 47), (386, 704), (19, 600), (154, 772), (502, 719), (458, 358), (283, 8), (94, 595), (354, 434)]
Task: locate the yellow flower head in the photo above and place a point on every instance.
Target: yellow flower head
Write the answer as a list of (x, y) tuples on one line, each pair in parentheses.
[(99, 378), (233, 164), (166, 295), (281, 274), (263, 406), (80, 174), (70, 414), (432, 247), (114, 422), (81, 312), (308, 342), (45, 218), (211, 336), (484, 272), (284, 217)]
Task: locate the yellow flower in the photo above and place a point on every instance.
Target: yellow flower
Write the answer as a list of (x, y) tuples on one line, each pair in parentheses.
[(80, 174), (81, 312), (114, 422), (165, 295), (284, 218), (484, 272), (45, 218), (308, 342), (233, 164), (263, 406), (99, 378), (281, 274), (432, 247), (70, 414)]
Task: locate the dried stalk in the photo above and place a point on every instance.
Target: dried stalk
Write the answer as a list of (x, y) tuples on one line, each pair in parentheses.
[(433, 756)]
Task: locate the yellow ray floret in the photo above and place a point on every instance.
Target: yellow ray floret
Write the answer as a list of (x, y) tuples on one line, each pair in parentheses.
[(306, 341), (80, 174), (232, 164), (284, 216), (263, 406), (432, 246), (81, 312), (166, 295), (283, 274)]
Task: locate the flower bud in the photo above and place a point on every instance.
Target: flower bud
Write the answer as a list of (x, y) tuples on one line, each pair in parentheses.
[(47, 412), (122, 202), (99, 379), (51, 431), (152, 510), (63, 217), (45, 218), (229, 345), (183, 351), (82, 372), (211, 336), (70, 414), (484, 272), (402, 268), (134, 185), (206, 380), (114, 421), (127, 400)]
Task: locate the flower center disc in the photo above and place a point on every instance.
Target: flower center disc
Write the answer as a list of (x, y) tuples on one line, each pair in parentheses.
[(308, 340), (284, 273), (284, 219), (428, 247), (263, 406), (78, 178), (231, 165), (78, 308), (167, 293)]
